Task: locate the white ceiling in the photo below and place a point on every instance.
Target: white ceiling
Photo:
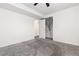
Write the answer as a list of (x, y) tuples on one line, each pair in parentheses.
[(54, 7), (39, 11), (20, 8)]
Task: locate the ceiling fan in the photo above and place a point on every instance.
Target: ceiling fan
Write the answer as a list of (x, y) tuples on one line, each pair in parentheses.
[(47, 4)]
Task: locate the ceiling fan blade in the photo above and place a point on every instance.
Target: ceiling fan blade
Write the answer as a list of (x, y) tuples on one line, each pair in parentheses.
[(35, 4), (47, 4)]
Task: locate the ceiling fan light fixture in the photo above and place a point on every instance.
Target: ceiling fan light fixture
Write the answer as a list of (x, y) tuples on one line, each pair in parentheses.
[(47, 4)]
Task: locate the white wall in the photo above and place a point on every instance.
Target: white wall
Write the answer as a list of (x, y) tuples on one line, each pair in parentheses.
[(36, 27), (15, 28), (66, 25)]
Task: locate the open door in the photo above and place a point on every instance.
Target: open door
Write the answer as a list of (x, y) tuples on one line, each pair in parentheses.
[(49, 28)]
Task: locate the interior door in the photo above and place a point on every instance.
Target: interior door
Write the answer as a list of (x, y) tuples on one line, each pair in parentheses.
[(42, 29)]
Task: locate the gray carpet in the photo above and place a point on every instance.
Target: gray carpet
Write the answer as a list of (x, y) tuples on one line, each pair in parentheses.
[(40, 47)]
